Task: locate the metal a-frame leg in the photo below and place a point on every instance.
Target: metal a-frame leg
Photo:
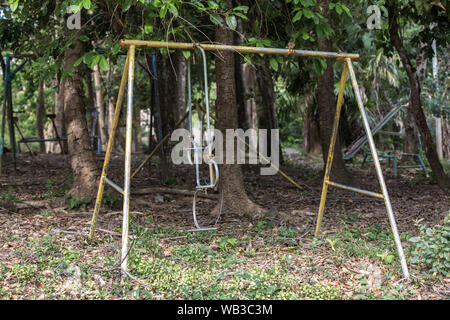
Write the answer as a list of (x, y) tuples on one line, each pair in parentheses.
[(127, 179), (334, 132), (127, 75), (348, 67), (109, 148)]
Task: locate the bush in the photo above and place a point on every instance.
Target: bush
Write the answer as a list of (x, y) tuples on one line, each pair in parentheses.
[(431, 249)]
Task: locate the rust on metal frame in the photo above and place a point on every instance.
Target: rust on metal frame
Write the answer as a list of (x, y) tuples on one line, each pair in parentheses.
[(241, 49)]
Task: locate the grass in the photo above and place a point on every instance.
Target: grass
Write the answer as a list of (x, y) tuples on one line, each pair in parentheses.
[(263, 262)]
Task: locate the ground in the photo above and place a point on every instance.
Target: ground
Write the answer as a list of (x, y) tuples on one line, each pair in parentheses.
[(44, 253)]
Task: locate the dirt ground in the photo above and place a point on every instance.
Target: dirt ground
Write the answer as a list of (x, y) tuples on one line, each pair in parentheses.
[(33, 204)]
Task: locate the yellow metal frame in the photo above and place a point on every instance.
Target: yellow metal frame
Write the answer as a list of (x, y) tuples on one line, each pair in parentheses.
[(128, 77)]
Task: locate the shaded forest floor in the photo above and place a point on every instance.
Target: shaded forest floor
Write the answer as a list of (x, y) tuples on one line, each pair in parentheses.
[(44, 255)]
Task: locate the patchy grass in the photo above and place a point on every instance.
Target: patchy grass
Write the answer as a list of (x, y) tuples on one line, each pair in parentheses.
[(44, 253), (257, 263)]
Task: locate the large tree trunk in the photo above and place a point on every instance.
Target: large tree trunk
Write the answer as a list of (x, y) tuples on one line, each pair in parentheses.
[(85, 172), (326, 101), (172, 98), (415, 102), (40, 116), (231, 182), (100, 107), (172, 87)]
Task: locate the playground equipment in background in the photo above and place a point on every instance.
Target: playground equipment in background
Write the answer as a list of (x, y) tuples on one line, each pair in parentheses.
[(387, 156), (8, 107), (360, 142), (13, 122), (57, 138), (128, 76)]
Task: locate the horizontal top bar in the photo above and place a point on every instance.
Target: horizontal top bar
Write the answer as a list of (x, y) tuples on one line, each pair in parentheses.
[(212, 47)]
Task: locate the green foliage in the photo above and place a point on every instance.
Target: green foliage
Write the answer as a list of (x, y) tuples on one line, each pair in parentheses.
[(8, 195), (78, 202), (226, 243), (430, 250), (112, 199), (24, 272)]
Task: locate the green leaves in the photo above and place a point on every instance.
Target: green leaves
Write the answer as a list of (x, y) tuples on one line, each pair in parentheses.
[(231, 21), (91, 60), (13, 4), (319, 65), (186, 54), (216, 19), (273, 63), (148, 27), (297, 16), (431, 248)]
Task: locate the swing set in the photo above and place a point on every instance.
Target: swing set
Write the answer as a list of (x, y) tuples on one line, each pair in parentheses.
[(13, 122), (128, 79)]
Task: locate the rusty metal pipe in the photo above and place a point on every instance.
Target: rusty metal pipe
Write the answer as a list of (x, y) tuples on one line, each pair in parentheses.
[(241, 49)]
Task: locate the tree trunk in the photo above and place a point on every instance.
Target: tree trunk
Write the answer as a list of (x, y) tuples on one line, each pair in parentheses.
[(411, 144), (415, 103), (85, 172), (243, 117), (326, 101), (231, 182), (40, 116), (90, 101), (250, 92), (59, 117), (172, 98), (100, 107), (267, 113), (110, 99), (172, 87), (445, 137), (311, 134)]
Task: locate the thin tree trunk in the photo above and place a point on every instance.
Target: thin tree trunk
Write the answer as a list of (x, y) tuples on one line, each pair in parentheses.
[(40, 116), (59, 113), (235, 197), (430, 149), (411, 144), (100, 107), (85, 172), (90, 99), (243, 119), (110, 98), (311, 134), (250, 92), (445, 137), (267, 113)]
